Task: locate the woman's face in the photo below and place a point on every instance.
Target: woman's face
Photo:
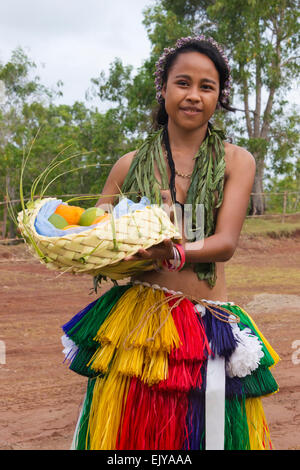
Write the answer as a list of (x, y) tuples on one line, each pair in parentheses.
[(192, 91)]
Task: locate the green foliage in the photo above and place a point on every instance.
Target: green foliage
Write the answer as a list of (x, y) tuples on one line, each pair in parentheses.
[(115, 88), (84, 138), (20, 86), (278, 185), (164, 27), (284, 148)]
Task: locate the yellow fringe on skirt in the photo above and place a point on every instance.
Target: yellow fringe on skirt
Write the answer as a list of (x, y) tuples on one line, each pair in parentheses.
[(259, 433), (143, 338)]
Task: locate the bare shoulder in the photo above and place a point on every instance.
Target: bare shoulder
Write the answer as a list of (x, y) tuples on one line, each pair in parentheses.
[(124, 162), (121, 168), (238, 159)]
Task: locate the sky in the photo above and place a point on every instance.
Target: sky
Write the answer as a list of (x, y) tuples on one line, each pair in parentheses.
[(74, 40)]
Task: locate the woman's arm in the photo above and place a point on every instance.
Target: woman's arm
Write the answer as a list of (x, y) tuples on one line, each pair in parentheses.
[(240, 172), (115, 180)]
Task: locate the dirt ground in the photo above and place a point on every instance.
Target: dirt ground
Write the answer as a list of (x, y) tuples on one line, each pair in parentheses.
[(40, 397)]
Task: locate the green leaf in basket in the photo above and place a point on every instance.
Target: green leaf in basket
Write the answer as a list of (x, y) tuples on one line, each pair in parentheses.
[(113, 227), (31, 204), (132, 216), (26, 219), (162, 225)]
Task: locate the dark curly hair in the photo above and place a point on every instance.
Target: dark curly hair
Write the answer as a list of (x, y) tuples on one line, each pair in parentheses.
[(160, 116)]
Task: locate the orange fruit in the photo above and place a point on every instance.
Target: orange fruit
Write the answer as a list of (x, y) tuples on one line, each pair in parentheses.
[(101, 218), (70, 213)]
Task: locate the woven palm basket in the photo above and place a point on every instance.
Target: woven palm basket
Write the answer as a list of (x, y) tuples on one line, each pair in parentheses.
[(100, 250)]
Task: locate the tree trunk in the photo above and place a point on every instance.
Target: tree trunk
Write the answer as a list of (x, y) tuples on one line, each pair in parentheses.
[(257, 206), (257, 200)]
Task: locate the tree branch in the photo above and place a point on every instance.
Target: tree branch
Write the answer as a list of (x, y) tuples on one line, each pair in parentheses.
[(289, 60), (244, 111), (266, 119)]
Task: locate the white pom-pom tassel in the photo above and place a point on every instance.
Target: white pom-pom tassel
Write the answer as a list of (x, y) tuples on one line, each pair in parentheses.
[(70, 348), (246, 357)]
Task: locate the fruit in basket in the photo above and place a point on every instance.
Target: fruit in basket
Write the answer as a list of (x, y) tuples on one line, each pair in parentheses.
[(100, 218), (58, 221), (89, 215), (71, 214)]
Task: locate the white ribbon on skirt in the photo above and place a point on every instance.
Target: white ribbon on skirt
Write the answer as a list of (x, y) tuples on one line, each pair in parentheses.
[(214, 399)]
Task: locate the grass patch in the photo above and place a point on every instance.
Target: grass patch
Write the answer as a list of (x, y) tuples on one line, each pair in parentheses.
[(257, 279), (275, 227), (241, 275)]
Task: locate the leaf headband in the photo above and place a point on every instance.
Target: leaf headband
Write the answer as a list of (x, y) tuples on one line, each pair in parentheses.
[(182, 42)]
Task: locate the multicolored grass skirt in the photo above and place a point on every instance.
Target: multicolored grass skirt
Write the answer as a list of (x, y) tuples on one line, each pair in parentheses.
[(168, 373)]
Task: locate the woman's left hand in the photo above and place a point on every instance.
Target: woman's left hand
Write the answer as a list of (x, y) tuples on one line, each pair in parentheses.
[(163, 250)]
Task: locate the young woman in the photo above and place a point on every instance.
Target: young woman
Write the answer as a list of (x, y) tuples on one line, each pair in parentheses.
[(172, 364)]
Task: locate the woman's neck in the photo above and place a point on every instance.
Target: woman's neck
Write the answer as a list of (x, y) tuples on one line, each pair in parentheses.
[(185, 142)]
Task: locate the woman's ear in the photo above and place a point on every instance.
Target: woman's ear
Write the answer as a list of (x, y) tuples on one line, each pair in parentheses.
[(163, 91)]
